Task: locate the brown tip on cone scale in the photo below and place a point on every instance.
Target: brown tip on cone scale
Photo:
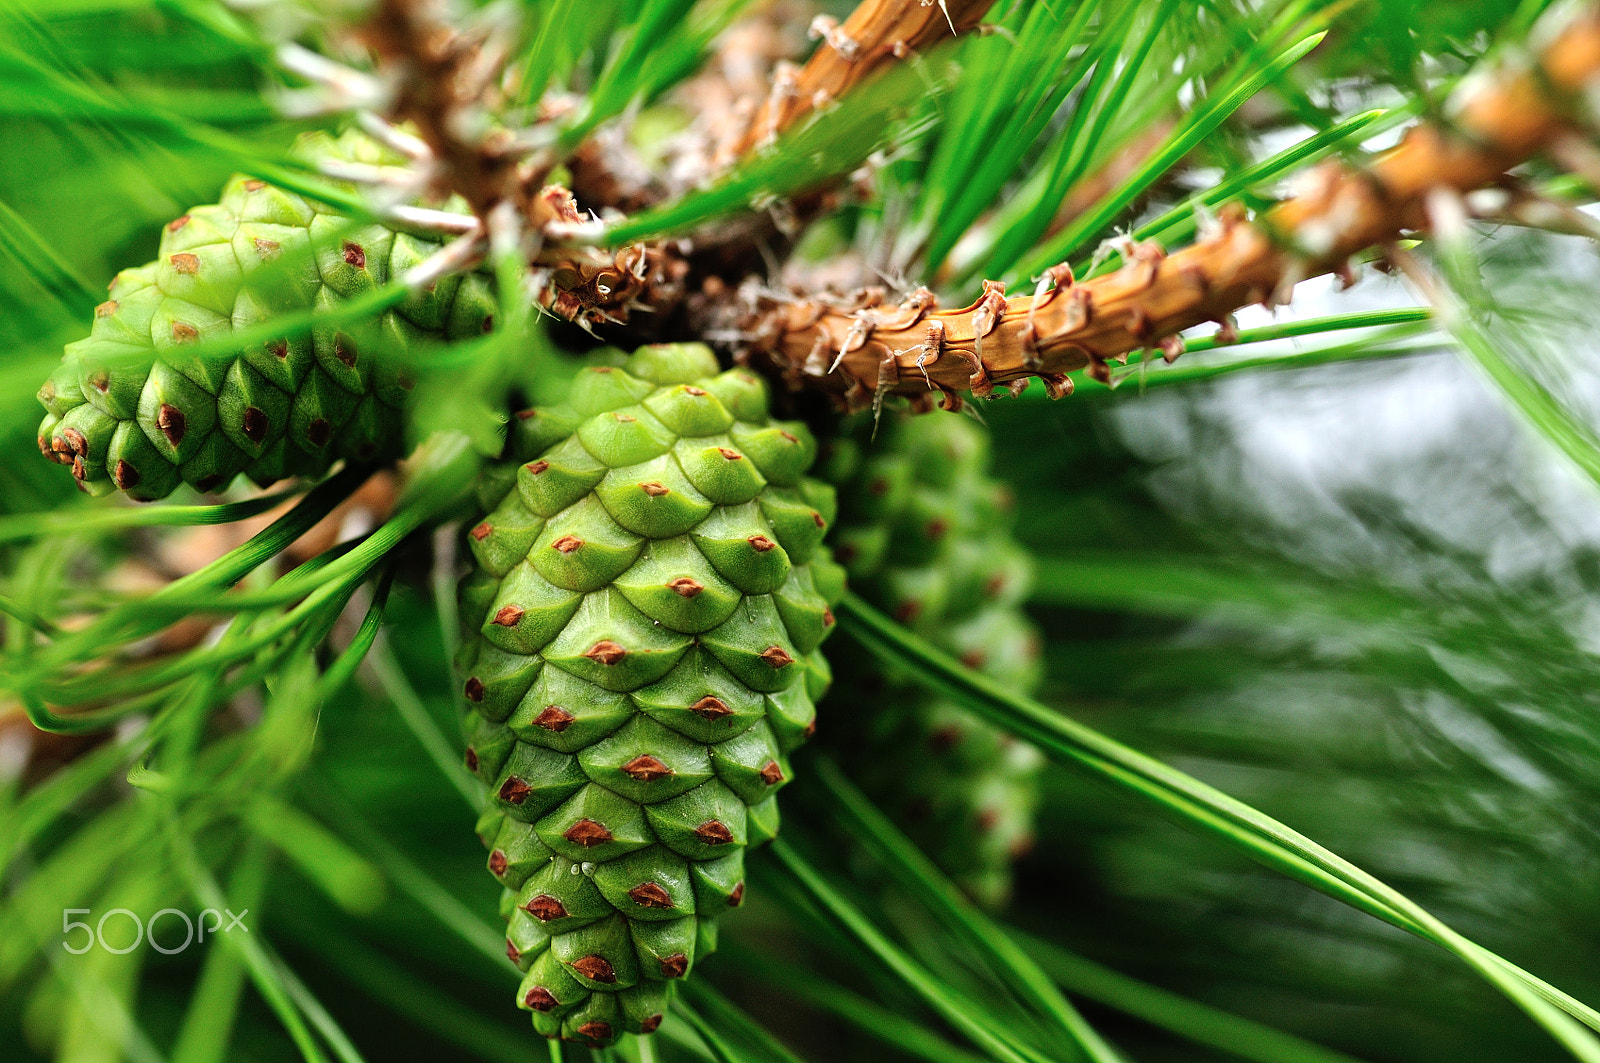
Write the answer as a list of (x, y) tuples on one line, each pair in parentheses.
[(817, 518), (537, 467), (470, 758), (685, 587), (650, 895), (513, 953), (710, 708), (907, 610), (566, 544), (355, 255), (810, 730), (776, 657), (319, 431), (76, 443), (690, 389), (760, 543), (596, 1030), (974, 658), (596, 969), (789, 436), (654, 489), (713, 832), (126, 476), (185, 263), (344, 349), (545, 908), (623, 418), (473, 688), (674, 966), (267, 248), (514, 791), (106, 309), (587, 833), (497, 863), (554, 718), (183, 332), (736, 895), (937, 527), (177, 223), (254, 424), (606, 652), (731, 455), (508, 616), (771, 773), (482, 531), (278, 348), (987, 820), (100, 380), (171, 421), (652, 1024), (253, 185), (540, 999), (828, 619), (646, 768)]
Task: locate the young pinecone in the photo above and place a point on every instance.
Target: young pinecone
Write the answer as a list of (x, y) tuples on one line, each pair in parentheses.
[(131, 407), (642, 625), (923, 533)]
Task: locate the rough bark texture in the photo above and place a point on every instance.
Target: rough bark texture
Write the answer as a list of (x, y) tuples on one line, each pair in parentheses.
[(877, 34), (1498, 120)]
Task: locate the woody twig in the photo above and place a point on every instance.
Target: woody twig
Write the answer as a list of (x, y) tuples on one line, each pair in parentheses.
[(878, 34), (861, 349)]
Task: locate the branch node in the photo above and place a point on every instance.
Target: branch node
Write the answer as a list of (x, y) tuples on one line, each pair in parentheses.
[(827, 28)]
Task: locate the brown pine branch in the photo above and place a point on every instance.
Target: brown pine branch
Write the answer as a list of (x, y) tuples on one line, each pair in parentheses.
[(878, 34), (594, 289), (859, 348), (748, 93)]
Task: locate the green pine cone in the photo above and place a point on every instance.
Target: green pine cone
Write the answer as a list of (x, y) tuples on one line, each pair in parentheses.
[(923, 534), (641, 655), (131, 408)]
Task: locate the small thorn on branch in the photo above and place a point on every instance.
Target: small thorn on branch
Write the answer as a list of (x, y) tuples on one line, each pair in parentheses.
[(826, 28)]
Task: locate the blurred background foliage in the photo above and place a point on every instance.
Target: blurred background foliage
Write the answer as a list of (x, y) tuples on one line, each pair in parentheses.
[(1358, 596)]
